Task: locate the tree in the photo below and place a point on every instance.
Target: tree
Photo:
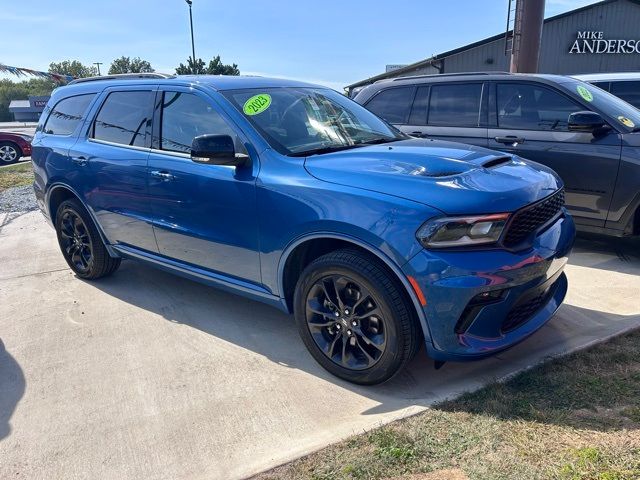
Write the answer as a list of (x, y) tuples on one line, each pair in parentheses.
[(74, 68), (215, 67), (127, 65)]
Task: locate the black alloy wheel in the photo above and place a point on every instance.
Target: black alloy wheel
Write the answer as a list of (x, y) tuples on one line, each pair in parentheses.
[(345, 322), (81, 243), (75, 241), (355, 317)]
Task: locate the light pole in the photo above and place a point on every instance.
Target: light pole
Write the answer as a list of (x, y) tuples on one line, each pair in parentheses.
[(193, 48)]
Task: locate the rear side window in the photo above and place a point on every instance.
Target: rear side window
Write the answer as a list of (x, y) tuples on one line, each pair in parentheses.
[(531, 107), (455, 105), (628, 91), (124, 118), (67, 114), (392, 104), (186, 116)]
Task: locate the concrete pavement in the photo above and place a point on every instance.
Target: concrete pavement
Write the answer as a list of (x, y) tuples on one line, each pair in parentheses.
[(147, 375)]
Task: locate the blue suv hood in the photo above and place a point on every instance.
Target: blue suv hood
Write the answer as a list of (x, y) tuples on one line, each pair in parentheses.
[(452, 177)]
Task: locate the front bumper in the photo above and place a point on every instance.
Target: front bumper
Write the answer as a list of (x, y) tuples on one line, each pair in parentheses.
[(484, 301)]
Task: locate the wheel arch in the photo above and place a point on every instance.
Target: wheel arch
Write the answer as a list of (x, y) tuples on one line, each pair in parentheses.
[(58, 193), (306, 249)]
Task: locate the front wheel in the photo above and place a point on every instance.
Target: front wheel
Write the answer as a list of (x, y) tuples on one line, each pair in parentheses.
[(81, 244), (354, 318)]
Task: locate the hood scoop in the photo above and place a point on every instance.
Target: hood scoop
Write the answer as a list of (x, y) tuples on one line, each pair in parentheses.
[(496, 162), (433, 169)]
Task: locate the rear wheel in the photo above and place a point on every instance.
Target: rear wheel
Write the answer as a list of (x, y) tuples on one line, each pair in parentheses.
[(9, 153), (80, 242), (354, 319)]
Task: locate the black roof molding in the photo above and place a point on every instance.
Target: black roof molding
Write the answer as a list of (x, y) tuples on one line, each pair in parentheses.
[(121, 76)]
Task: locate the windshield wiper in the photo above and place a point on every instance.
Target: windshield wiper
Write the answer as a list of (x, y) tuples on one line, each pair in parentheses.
[(321, 150), (337, 148), (378, 141)]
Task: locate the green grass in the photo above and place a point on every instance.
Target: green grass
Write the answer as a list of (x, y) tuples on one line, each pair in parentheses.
[(572, 418), (16, 175)]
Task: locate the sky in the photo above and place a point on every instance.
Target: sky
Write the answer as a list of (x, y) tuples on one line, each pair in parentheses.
[(329, 42)]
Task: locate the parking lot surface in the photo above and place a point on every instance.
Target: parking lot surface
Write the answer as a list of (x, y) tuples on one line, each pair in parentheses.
[(148, 375)]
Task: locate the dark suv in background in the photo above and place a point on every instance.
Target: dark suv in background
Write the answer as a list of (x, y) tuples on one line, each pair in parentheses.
[(588, 136), (625, 85)]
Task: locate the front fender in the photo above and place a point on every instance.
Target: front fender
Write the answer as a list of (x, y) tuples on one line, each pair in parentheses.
[(388, 261)]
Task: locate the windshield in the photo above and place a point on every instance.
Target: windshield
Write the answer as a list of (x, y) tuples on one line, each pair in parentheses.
[(301, 121), (626, 115)]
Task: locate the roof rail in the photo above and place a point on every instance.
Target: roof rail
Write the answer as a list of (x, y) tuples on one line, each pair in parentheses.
[(121, 76), (436, 75)]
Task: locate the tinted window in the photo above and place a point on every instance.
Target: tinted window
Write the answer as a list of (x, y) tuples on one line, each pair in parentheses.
[(628, 91), (419, 110), (455, 105), (124, 118), (67, 114), (531, 107), (186, 116), (393, 104)]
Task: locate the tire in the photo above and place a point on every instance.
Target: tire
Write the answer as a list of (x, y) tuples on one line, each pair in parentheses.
[(375, 333), (81, 244), (9, 153)]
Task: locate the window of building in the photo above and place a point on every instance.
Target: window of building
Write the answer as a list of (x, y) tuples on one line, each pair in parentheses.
[(531, 107), (67, 114), (456, 105), (392, 104), (124, 118), (186, 116), (628, 91)]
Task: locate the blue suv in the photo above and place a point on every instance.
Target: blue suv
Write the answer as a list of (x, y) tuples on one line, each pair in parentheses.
[(294, 195)]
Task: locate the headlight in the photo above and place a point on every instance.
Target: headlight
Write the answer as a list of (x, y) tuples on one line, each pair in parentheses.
[(462, 231)]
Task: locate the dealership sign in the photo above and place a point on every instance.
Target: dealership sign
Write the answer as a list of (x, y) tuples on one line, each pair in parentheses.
[(594, 42)]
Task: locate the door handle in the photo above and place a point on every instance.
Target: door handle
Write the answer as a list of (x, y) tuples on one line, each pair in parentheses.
[(165, 176), (81, 161), (510, 140), (419, 134)]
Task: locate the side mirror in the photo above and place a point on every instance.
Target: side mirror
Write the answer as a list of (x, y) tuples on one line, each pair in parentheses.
[(588, 122), (216, 150)]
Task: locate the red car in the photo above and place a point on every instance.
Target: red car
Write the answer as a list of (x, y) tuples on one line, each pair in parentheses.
[(13, 146)]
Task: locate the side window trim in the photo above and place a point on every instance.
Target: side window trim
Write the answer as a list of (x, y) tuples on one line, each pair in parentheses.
[(542, 86)]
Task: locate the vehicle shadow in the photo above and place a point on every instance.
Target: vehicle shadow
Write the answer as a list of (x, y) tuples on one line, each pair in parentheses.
[(12, 386), (272, 334)]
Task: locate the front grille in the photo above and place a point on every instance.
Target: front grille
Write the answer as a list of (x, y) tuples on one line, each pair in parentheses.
[(532, 218)]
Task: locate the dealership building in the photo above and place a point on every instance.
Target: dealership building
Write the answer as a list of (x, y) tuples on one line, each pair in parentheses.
[(599, 38), (28, 110)]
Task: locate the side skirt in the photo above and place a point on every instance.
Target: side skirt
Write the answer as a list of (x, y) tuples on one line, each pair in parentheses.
[(229, 284)]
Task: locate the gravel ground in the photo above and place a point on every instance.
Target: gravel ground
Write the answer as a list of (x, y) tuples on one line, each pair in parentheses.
[(18, 199)]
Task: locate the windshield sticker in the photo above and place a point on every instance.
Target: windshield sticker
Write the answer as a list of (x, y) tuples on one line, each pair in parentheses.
[(626, 122), (584, 93), (257, 104)]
